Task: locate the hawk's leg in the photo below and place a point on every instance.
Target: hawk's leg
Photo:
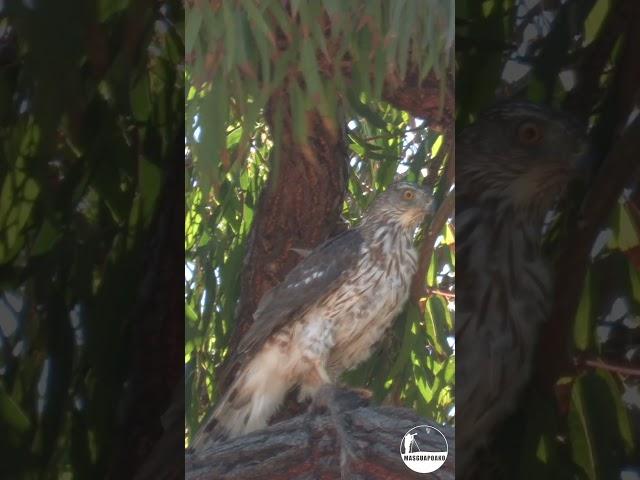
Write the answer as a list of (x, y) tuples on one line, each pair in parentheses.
[(344, 398), (338, 401), (314, 379)]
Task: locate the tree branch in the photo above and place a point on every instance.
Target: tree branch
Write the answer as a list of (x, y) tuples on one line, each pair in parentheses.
[(432, 99), (621, 165), (306, 447), (426, 248), (581, 100), (610, 367)]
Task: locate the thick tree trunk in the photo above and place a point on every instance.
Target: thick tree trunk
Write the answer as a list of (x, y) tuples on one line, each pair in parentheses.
[(309, 447)]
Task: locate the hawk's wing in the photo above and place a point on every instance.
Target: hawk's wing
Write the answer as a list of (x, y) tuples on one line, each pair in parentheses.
[(314, 277)]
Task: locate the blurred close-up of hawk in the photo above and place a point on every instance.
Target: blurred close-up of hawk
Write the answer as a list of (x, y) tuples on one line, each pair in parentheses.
[(513, 165), (325, 317)]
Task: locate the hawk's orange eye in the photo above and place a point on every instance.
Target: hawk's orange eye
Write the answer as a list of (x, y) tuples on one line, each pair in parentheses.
[(530, 133), (408, 195)]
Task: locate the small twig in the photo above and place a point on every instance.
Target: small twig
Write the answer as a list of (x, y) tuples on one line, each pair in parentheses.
[(395, 134), (610, 367), (442, 293), (429, 292)]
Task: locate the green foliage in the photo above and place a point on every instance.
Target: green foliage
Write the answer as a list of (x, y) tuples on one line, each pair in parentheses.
[(89, 94), (240, 54)]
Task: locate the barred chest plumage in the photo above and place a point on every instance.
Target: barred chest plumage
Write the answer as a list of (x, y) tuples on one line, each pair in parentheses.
[(347, 325)]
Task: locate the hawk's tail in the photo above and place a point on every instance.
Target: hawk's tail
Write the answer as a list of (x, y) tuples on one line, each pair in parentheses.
[(254, 396)]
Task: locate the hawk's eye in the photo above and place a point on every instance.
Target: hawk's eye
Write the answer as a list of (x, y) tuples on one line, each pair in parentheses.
[(408, 195), (530, 133)]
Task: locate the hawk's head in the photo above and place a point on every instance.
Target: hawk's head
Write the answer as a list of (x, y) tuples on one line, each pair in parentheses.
[(519, 152), (403, 204)]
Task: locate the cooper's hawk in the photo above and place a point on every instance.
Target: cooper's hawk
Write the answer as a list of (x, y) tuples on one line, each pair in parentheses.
[(326, 316), (512, 166)]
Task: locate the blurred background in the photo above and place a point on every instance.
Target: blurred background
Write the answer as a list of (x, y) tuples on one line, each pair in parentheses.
[(284, 146), (580, 416), (91, 141)]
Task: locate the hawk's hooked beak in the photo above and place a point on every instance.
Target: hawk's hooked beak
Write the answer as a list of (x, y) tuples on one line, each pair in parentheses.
[(429, 207), (586, 163)]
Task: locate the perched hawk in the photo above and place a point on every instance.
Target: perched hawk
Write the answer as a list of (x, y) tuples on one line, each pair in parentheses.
[(512, 166), (326, 316)]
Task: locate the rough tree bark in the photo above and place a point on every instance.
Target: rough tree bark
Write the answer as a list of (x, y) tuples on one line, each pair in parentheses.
[(431, 99), (308, 447)]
